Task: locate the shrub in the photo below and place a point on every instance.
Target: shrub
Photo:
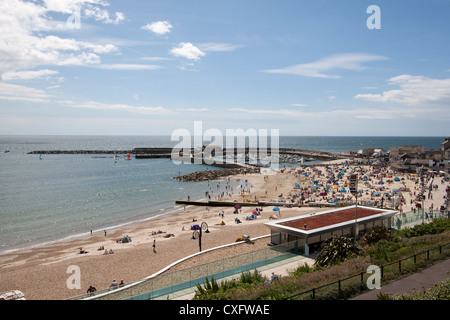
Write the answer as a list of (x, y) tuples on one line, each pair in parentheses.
[(434, 227), (305, 268), (376, 234), (336, 250)]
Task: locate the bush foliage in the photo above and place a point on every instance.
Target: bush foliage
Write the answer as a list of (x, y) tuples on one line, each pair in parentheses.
[(339, 258)]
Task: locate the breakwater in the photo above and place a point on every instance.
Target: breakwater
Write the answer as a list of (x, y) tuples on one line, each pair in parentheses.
[(213, 203), (148, 153), (206, 175)]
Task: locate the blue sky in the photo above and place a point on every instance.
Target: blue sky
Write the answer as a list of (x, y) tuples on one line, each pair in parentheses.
[(97, 67)]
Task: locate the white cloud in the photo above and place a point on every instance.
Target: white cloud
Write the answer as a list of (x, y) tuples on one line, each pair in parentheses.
[(155, 58), (103, 15), (187, 50), (28, 75), (128, 66), (299, 105), (320, 68), (91, 9), (67, 6), (121, 107), (278, 112), (414, 91), (159, 27), (193, 109), (15, 92), (217, 47), (24, 46)]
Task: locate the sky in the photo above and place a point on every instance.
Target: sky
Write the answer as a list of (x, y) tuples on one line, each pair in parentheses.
[(305, 68)]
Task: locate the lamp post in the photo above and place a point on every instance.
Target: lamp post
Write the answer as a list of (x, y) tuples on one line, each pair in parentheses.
[(354, 190), (204, 225)]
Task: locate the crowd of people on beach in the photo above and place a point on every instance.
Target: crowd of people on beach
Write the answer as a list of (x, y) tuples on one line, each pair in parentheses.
[(378, 186), (328, 185)]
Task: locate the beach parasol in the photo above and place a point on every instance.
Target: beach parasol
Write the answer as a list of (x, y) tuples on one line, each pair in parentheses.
[(237, 206), (276, 209)]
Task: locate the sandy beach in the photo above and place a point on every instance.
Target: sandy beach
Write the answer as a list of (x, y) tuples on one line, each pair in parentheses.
[(41, 273)]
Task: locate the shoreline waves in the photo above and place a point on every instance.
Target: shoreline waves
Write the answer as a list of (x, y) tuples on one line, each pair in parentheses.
[(40, 271)]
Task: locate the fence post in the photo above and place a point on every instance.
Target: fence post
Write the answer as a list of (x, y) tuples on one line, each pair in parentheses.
[(414, 259), (382, 271), (400, 266), (314, 293), (428, 254)]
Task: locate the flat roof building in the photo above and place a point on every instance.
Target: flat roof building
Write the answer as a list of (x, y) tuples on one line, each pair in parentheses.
[(303, 231)]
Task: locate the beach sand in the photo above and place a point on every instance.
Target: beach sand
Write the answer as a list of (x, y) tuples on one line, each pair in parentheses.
[(43, 273)]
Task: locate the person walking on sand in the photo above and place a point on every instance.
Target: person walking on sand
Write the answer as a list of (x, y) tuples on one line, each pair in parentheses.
[(154, 245)]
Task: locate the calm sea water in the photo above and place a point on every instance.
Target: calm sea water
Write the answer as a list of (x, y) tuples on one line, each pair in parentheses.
[(62, 196)]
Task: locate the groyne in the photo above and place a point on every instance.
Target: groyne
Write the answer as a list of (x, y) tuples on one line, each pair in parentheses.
[(149, 153), (213, 203)]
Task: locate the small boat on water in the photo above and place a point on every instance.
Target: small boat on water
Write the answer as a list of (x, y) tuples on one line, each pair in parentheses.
[(7, 150), (128, 157)]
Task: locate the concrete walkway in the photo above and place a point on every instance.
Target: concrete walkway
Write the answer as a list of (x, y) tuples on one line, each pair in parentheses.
[(280, 268), (418, 281)]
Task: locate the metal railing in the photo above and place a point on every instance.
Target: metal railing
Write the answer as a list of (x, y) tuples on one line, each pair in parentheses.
[(357, 284), (169, 282), (174, 281)]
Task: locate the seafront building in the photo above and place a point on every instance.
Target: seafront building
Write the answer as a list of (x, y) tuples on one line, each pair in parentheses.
[(308, 231)]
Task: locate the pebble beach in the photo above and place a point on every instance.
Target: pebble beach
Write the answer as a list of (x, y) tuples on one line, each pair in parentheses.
[(42, 273)]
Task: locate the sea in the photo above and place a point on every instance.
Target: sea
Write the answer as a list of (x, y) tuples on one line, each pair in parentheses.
[(65, 196)]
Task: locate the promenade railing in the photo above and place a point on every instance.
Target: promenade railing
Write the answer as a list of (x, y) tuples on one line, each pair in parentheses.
[(358, 283), (167, 283)]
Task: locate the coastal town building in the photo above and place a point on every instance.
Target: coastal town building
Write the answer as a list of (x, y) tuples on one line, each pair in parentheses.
[(412, 158), (395, 153), (307, 231)]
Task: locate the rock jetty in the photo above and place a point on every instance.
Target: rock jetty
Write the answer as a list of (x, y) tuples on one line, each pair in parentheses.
[(80, 152), (205, 175)]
